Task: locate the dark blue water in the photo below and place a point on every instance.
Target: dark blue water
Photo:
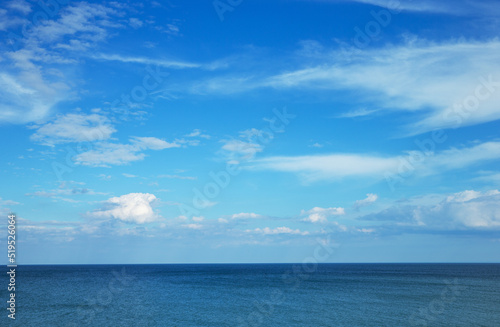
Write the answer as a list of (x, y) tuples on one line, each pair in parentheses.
[(257, 295)]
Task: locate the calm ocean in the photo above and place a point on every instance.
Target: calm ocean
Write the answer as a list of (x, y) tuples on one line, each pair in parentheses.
[(257, 295)]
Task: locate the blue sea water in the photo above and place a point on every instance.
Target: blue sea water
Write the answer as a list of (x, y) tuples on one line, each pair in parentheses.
[(256, 295)]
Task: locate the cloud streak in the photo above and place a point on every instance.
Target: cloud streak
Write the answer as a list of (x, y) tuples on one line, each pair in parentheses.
[(417, 77), (106, 154), (74, 128), (313, 168)]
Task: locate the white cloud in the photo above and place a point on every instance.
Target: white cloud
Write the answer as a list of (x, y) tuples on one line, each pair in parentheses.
[(467, 195), (29, 91), (20, 5), (246, 215), (109, 154), (80, 21), (418, 76), (132, 207), (244, 148), (146, 61), (253, 133), (334, 166), (320, 215), (28, 96), (193, 226), (8, 21), (370, 199), (471, 209), (456, 158), (153, 143), (459, 7), (177, 177), (74, 128), (463, 210), (357, 113), (316, 145), (198, 219), (198, 133), (106, 154), (277, 230), (8, 202), (64, 190), (488, 177), (135, 22), (104, 177), (414, 76), (129, 175), (318, 167), (238, 150)]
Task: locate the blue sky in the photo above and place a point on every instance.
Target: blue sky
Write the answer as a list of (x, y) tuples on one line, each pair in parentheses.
[(251, 131)]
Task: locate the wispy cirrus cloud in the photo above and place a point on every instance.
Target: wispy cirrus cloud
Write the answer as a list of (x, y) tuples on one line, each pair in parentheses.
[(73, 127), (420, 77), (460, 7), (318, 167), (22, 6), (178, 177), (29, 90), (246, 215), (246, 146), (105, 154), (146, 61), (8, 202), (277, 231), (312, 168)]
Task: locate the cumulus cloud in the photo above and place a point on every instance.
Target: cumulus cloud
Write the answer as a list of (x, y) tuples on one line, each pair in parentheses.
[(74, 128), (370, 199), (320, 215), (132, 207)]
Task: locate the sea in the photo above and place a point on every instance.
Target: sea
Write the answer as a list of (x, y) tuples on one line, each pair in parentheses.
[(238, 295)]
